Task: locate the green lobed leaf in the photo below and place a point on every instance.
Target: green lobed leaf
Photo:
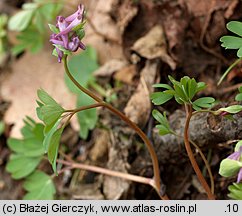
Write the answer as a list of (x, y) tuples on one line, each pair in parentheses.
[(180, 93), (39, 186), (82, 67), (160, 118), (231, 42), (21, 166), (50, 111), (240, 89), (235, 27), (159, 98), (232, 109), (235, 191), (30, 147), (195, 107), (49, 131), (21, 20), (54, 147), (178, 100), (163, 130), (88, 118), (50, 11), (29, 6), (238, 97), (29, 39), (239, 52), (192, 88), (204, 102), (163, 127), (39, 22), (229, 167), (200, 86), (161, 85)]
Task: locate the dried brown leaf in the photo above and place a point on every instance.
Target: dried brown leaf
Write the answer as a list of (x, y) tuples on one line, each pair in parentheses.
[(29, 73), (153, 45), (138, 107)]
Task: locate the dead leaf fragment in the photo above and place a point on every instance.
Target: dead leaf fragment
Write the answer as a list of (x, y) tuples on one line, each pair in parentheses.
[(138, 107), (127, 11), (126, 74), (101, 142), (110, 67), (113, 187), (30, 73), (153, 45)]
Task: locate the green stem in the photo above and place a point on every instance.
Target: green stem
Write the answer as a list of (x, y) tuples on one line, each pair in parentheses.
[(98, 88), (191, 156), (206, 111), (228, 70), (130, 123)]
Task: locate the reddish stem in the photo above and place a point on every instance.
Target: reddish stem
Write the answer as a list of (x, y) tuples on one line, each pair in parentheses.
[(191, 156)]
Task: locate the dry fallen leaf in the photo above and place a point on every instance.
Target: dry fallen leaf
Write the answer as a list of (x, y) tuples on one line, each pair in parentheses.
[(100, 18), (29, 73), (101, 143), (126, 74), (138, 107), (126, 13), (110, 67), (201, 8), (113, 187), (153, 45)]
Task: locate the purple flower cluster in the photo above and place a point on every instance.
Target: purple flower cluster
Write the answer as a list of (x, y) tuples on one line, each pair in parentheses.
[(236, 156), (67, 37)]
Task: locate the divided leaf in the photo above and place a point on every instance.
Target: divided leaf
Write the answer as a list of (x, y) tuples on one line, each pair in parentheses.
[(183, 92), (235, 191), (54, 147), (49, 109), (28, 151), (233, 42), (239, 96), (31, 22), (21, 166), (159, 98), (235, 27), (39, 186), (164, 127), (204, 102), (20, 21), (29, 39), (28, 147)]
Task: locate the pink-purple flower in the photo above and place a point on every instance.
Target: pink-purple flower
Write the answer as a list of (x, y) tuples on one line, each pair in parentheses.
[(66, 38)]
